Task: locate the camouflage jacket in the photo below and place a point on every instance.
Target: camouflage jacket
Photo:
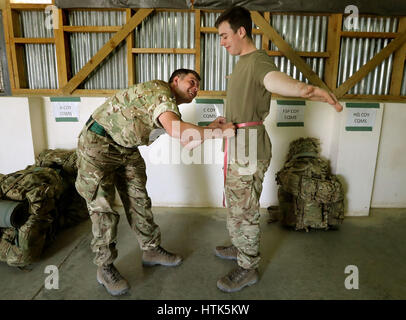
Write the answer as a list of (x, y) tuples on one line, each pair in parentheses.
[(131, 115)]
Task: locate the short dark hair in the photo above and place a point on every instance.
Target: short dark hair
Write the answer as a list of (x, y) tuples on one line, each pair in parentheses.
[(182, 73), (237, 17)]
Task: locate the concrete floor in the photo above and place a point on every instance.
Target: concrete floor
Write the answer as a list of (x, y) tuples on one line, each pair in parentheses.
[(294, 265)]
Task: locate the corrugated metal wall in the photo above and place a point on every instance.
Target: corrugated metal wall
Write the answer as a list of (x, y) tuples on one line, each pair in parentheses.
[(158, 31), (42, 70), (356, 52), (1, 79), (303, 33), (112, 73), (403, 88)]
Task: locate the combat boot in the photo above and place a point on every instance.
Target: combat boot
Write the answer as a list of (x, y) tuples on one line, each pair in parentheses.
[(160, 256), (237, 279), (112, 280), (229, 253)]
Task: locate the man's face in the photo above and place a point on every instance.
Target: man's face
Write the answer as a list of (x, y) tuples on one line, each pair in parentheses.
[(229, 39), (187, 87)]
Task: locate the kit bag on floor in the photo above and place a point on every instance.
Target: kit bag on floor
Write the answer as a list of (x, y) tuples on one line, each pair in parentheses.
[(309, 195)]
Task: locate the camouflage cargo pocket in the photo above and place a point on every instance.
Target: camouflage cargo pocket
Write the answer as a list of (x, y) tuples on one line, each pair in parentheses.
[(88, 179), (308, 188)]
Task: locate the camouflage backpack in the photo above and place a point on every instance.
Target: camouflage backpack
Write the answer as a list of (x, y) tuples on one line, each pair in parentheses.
[(71, 206), (309, 195), (40, 187)]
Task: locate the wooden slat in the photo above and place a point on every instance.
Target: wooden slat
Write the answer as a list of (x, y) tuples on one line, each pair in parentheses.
[(371, 64), (91, 28), (211, 93), (37, 92), (94, 93), (62, 51), (333, 48), (287, 50), (106, 50), (398, 63), (8, 48), (380, 35), (378, 98), (130, 56), (265, 39), (306, 54), (164, 50), (34, 40), (197, 41), (29, 6), (215, 30)]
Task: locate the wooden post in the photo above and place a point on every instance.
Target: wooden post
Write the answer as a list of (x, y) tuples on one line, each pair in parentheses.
[(197, 41), (333, 49), (398, 63), (62, 51), (130, 55)]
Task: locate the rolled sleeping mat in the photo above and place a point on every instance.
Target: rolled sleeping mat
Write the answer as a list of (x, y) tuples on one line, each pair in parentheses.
[(13, 214)]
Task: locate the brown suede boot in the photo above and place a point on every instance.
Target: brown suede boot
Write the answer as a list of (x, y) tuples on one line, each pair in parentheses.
[(160, 256), (112, 280), (229, 253), (237, 279)]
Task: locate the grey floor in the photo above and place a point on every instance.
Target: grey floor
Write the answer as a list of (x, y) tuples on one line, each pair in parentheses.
[(294, 265)]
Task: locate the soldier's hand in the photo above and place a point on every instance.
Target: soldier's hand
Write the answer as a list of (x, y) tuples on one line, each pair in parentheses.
[(317, 94), (219, 120), (228, 129)]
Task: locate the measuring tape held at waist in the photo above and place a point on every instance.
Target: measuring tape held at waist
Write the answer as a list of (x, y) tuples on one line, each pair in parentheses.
[(238, 126)]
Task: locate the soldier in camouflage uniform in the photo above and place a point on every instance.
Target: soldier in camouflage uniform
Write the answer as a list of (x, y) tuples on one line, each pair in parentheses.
[(108, 157), (249, 89)]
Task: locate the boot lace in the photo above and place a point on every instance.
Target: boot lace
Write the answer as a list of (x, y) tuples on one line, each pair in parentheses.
[(238, 273), (113, 274)]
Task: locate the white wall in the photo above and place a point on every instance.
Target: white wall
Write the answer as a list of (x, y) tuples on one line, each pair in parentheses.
[(390, 179), (354, 156), (16, 145)]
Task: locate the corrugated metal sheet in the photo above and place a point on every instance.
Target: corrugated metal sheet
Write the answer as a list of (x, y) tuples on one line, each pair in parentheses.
[(1, 79), (40, 58), (112, 73), (403, 88), (96, 18), (164, 30), (354, 53), (303, 33)]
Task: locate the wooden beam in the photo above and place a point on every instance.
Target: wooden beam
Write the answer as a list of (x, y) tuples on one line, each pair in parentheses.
[(333, 48), (287, 50), (106, 50), (398, 63), (8, 48), (130, 56), (62, 51), (307, 54), (215, 30), (371, 64), (91, 28), (379, 35), (197, 41), (265, 39), (34, 40), (164, 50)]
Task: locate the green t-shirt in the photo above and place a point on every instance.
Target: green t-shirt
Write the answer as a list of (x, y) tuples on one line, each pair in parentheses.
[(131, 115), (248, 100)]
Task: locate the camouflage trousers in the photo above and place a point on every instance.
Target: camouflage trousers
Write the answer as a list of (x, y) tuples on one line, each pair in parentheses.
[(103, 166), (243, 192)]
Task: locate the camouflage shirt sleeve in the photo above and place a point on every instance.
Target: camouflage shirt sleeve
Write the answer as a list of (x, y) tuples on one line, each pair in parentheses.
[(164, 102)]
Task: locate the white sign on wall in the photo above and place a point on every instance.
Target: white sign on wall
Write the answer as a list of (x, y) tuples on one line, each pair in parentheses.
[(66, 109), (361, 116), (290, 113), (207, 110)]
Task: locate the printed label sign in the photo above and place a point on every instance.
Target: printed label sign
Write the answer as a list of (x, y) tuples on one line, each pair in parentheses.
[(361, 116), (290, 113), (66, 109), (208, 110)]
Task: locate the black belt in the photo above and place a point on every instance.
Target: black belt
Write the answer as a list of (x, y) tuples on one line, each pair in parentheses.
[(96, 128)]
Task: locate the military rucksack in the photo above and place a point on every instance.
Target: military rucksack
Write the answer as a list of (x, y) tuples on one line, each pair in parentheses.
[(52, 203), (309, 195)]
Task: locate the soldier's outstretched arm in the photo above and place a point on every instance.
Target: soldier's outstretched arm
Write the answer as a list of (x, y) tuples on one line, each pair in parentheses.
[(191, 135), (284, 85)]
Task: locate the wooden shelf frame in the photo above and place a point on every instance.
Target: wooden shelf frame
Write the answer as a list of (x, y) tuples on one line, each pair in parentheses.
[(68, 84)]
